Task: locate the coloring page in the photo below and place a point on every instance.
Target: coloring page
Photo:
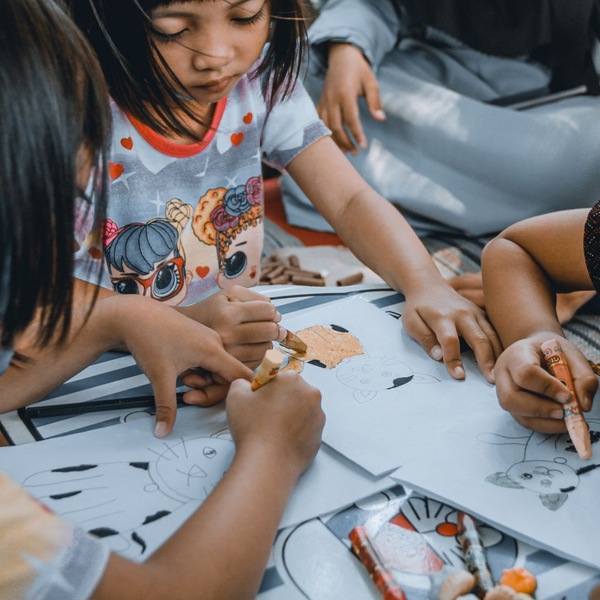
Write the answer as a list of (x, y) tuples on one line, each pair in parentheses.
[(532, 485), (133, 491), (384, 398)]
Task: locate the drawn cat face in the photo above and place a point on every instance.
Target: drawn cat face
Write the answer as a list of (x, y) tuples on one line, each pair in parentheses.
[(191, 469), (544, 477), (367, 376)]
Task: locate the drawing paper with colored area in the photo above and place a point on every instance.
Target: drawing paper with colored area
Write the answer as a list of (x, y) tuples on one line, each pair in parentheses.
[(532, 485), (134, 491), (384, 398)]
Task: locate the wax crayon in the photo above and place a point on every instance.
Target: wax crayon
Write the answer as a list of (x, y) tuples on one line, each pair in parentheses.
[(474, 554), (574, 419), (268, 369)]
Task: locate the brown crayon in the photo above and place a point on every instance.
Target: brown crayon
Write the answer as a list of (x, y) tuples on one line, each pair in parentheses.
[(574, 420), (299, 280), (351, 279), (268, 369), (293, 342), (474, 554), (379, 573)]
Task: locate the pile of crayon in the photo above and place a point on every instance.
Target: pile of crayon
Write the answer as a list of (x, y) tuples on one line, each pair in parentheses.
[(277, 271)]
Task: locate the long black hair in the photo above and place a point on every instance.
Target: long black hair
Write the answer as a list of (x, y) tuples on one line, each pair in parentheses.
[(54, 120), (138, 77)]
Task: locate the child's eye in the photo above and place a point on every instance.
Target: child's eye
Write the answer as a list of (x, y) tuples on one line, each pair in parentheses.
[(251, 20), (167, 37)]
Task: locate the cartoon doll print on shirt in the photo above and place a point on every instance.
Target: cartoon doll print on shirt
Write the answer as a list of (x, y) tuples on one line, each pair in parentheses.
[(231, 221), (148, 259)]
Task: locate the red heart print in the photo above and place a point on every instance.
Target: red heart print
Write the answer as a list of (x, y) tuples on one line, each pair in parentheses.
[(115, 170), (236, 138), (248, 118), (202, 272), (127, 143)]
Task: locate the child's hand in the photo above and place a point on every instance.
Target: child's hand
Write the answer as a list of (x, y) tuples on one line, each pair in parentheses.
[(530, 394), (437, 316), (247, 328), (285, 415), (165, 344)]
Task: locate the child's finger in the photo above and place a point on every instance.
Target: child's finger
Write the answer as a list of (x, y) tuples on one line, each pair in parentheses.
[(534, 378), (467, 280), (208, 396), (584, 379), (352, 119), (253, 311), (254, 333), (474, 295), (165, 399), (215, 359), (492, 336), (195, 380), (371, 91), (340, 135), (246, 294), (252, 354), (542, 425), (447, 336), (420, 332), (481, 345)]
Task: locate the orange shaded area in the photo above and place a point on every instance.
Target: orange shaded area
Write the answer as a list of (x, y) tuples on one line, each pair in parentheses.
[(274, 210), (447, 529), (520, 580)]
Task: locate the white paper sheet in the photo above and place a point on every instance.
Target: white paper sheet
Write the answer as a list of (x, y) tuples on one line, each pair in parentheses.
[(523, 482), (386, 399), (134, 491)]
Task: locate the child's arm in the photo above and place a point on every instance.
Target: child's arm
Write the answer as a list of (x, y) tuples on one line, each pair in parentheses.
[(163, 342), (523, 268), (247, 328), (435, 315), (222, 550)]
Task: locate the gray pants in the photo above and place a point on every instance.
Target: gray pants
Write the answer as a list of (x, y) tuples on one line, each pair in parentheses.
[(452, 163)]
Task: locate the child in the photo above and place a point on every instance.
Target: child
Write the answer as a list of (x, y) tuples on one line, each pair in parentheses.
[(523, 269), (52, 97), (198, 103)]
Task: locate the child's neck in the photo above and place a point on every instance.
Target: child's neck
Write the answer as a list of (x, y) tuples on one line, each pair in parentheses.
[(204, 115)]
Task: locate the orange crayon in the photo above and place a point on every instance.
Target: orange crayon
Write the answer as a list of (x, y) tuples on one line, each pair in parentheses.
[(268, 368), (576, 425)]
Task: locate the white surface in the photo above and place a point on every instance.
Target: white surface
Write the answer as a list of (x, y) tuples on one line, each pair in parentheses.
[(381, 428), (516, 480), (182, 470)]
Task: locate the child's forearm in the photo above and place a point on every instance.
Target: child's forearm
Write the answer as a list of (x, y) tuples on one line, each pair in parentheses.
[(386, 243), (222, 550), (519, 296)]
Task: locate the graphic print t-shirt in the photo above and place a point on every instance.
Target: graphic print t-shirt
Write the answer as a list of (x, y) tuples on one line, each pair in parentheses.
[(186, 220)]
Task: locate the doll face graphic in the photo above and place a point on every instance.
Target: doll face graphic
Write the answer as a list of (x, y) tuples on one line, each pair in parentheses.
[(241, 263), (167, 282)]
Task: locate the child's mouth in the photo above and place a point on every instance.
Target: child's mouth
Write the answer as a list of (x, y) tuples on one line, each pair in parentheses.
[(216, 86)]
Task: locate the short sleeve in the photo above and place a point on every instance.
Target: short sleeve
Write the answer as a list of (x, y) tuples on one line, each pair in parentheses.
[(291, 126), (591, 245), (41, 556)]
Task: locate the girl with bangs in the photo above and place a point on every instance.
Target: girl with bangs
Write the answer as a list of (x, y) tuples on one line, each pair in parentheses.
[(203, 92), (53, 99)]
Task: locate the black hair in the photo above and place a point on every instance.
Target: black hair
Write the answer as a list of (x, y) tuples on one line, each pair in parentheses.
[(141, 246), (138, 77), (54, 111)]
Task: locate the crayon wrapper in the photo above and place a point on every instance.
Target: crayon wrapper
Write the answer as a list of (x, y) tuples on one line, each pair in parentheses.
[(380, 575)]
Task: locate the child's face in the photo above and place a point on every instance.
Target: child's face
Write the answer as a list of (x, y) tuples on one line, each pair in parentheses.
[(210, 45)]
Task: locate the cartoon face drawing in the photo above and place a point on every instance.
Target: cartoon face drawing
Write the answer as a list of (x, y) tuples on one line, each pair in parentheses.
[(191, 469), (126, 516), (369, 375), (549, 467)]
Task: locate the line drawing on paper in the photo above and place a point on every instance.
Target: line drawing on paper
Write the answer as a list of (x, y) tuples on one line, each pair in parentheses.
[(334, 347), (549, 465), (121, 501)]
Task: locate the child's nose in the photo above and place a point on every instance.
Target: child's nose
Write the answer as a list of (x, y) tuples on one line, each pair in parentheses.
[(214, 55)]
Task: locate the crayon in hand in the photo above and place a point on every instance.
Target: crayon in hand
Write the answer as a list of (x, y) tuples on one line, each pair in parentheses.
[(576, 425), (268, 369), (291, 341)]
